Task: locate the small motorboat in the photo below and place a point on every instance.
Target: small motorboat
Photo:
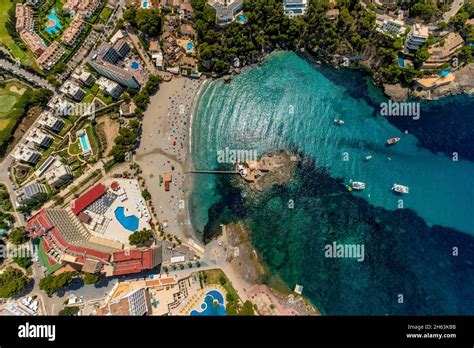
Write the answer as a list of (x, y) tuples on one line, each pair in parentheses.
[(338, 122), (358, 185), (392, 141), (400, 188), (368, 158)]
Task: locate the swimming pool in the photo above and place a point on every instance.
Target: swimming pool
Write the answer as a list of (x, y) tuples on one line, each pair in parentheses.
[(145, 4), (213, 304), (242, 19), (445, 72), (128, 222), (189, 46), (401, 62), (134, 65), (84, 142), (53, 28)]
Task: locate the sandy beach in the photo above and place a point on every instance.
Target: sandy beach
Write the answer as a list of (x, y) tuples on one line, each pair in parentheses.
[(164, 148)]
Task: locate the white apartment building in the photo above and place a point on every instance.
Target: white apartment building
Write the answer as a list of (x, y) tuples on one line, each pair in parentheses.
[(39, 138), (109, 87), (58, 174), (47, 120), (25, 154), (74, 91), (417, 37)]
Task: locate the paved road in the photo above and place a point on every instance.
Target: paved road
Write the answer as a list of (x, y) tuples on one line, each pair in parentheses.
[(19, 71), (457, 4)]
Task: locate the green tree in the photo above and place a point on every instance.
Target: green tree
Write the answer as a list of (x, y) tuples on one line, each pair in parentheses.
[(18, 236), (23, 262), (12, 281), (91, 278), (69, 311), (52, 283), (140, 237)]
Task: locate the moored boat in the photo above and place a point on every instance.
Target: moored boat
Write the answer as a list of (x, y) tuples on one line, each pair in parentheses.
[(400, 188), (358, 185), (392, 141), (338, 122), (368, 158)]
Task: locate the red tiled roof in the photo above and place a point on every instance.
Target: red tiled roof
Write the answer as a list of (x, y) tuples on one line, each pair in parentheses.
[(127, 255), (88, 198), (38, 224)]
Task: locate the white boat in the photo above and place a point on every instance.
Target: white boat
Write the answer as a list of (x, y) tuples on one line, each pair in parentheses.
[(358, 185), (368, 158), (400, 188), (338, 122)]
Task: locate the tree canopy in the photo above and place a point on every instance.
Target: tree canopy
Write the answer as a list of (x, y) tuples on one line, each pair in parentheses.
[(140, 237), (12, 281)]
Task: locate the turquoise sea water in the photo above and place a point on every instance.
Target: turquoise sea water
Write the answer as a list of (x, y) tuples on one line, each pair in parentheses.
[(289, 103)]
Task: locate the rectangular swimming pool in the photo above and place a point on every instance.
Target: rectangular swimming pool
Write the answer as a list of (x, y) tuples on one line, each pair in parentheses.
[(84, 143)]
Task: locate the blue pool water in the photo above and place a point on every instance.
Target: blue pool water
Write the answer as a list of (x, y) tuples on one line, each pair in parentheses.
[(470, 44), (129, 222), (209, 307), (134, 65), (445, 72), (401, 62), (84, 142), (189, 46), (145, 4), (57, 27), (242, 19)]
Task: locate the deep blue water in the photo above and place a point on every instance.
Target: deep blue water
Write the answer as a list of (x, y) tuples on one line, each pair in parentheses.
[(289, 103)]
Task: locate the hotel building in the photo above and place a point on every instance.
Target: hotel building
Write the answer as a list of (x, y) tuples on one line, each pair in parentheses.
[(115, 73), (66, 239)]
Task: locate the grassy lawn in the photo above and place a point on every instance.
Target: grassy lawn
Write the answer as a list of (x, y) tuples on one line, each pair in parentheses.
[(50, 266), (75, 148), (26, 57), (105, 14), (214, 276), (9, 95)]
